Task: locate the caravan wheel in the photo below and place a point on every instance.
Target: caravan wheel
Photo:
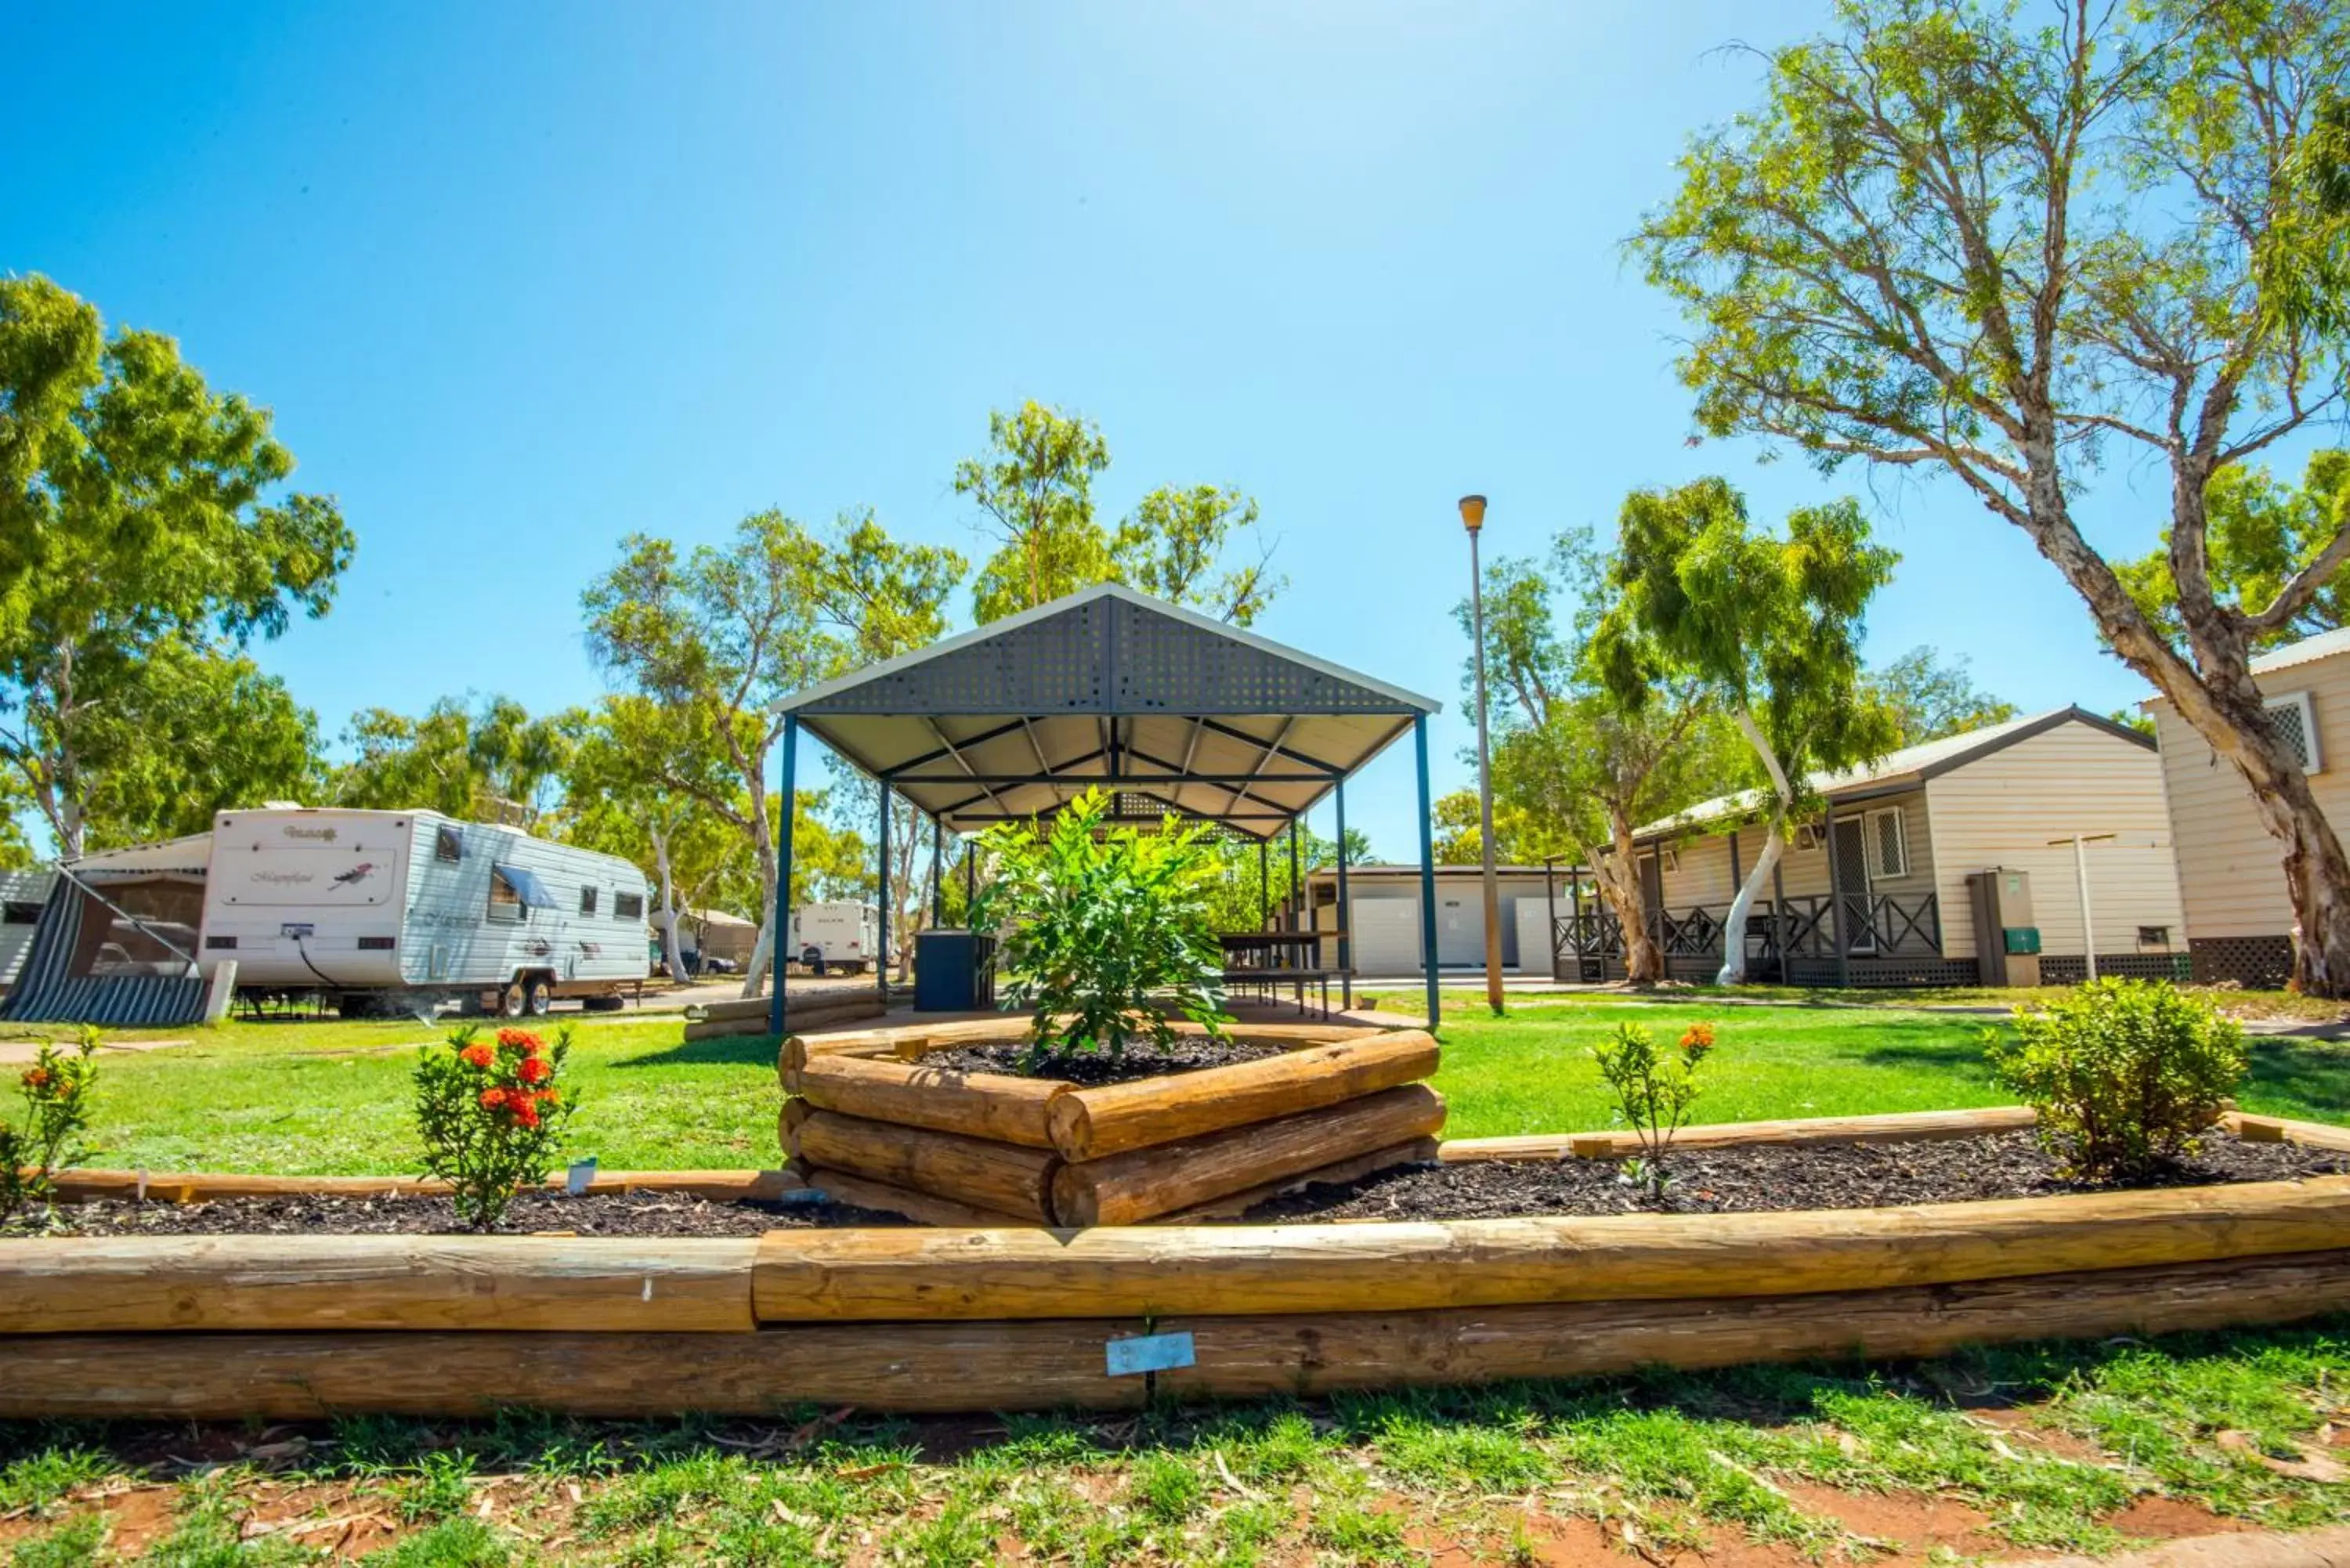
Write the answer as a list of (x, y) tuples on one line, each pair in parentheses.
[(541, 996), (512, 1001)]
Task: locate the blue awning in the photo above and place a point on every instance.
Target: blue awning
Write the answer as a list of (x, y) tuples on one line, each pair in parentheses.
[(527, 888)]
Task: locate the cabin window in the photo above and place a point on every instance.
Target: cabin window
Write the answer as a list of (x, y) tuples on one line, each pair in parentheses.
[(2154, 936), (586, 900), (1807, 838), (627, 905), (1669, 860), (448, 845), (505, 899), (2291, 721), (1889, 842), (20, 913)]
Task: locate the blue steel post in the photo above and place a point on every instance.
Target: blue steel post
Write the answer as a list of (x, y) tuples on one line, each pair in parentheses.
[(937, 872), (1426, 866), (781, 916), (882, 948), (1345, 911)]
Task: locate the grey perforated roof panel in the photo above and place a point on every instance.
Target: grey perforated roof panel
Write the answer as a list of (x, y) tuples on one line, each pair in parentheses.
[(1109, 685)]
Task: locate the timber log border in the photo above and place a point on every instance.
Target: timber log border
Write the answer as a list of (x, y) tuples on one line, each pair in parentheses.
[(967, 1319)]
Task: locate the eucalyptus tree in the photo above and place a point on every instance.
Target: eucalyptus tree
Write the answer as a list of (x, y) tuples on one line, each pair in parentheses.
[(146, 537), (2262, 531), (496, 759), (1579, 763), (1771, 627), (2009, 245), (1929, 697)]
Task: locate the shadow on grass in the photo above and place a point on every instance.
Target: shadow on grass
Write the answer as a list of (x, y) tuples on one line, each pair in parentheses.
[(734, 1051), (2318, 1076)]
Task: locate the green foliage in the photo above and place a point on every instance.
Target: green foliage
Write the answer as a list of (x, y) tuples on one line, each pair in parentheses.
[(1654, 1090), (1035, 489), (2124, 1073), (470, 764), (1105, 931), (1929, 699), (491, 1115), (137, 542), (56, 1089), (2261, 533)]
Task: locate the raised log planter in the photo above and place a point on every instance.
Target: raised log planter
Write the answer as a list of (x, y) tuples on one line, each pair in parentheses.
[(1339, 1102)]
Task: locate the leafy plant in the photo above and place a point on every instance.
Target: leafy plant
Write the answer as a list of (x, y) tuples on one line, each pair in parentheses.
[(56, 1089), (2124, 1073), (1106, 931), (1654, 1090), (492, 1115)]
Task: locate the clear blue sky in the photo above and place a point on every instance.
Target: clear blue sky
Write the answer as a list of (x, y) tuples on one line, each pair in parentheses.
[(520, 279)]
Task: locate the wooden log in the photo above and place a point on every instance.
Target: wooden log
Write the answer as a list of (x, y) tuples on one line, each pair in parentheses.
[(997, 1106), (843, 1275), (926, 1208), (999, 1177), (142, 1283), (2283, 1129), (77, 1186), (1144, 1183), (1094, 1123), (1419, 1151), (1054, 1364), (1903, 1127)]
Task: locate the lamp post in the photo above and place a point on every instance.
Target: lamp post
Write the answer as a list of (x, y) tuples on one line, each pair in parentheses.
[(1472, 517)]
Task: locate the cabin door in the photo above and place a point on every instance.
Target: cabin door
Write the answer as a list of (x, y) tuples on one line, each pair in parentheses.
[(1852, 886)]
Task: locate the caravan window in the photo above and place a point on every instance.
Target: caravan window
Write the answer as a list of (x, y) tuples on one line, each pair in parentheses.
[(627, 905), (448, 845), (586, 900), (506, 903)]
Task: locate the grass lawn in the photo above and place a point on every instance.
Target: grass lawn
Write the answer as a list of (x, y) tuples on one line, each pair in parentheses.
[(2071, 1448), (333, 1098)]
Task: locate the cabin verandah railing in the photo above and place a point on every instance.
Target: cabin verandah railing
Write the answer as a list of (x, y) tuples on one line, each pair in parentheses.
[(1889, 938)]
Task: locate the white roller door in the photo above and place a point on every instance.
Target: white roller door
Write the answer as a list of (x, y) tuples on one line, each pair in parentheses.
[(1385, 938)]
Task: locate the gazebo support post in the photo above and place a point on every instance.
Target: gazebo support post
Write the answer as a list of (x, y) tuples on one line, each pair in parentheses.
[(881, 904), (1427, 867), (1550, 910), (937, 872), (1263, 883), (1296, 882), (1346, 910), (780, 942)]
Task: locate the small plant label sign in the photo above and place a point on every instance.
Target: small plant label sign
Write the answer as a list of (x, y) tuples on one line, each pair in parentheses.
[(577, 1179), (1150, 1352)]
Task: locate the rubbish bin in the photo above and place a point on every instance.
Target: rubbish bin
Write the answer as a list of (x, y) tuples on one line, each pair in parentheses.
[(954, 970)]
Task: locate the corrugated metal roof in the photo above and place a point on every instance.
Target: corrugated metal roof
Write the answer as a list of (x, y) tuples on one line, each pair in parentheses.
[(2324, 645), (1919, 763)]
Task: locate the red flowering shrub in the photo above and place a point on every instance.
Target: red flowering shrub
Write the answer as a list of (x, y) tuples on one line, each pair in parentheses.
[(56, 1090), (490, 1117)]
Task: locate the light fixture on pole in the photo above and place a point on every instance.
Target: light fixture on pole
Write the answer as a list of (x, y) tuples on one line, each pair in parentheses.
[(1472, 517)]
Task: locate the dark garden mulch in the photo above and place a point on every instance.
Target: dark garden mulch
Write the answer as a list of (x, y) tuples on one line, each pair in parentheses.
[(1767, 1177), (1189, 1053), (598, 1214)]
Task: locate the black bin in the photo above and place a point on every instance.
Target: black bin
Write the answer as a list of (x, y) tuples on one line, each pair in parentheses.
[(954, 970)]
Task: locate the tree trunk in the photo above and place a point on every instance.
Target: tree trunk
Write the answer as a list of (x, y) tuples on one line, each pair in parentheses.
[(1734, 926), (671, 948), (1619, 884)]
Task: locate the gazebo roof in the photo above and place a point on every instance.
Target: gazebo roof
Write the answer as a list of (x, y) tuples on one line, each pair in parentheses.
[(1112, 688)]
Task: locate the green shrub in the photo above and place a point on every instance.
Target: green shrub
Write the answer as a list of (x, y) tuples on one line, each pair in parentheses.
[(2124, 1073), (1106, 932), (56, 1090), (1654, 1090), (491, 1115)]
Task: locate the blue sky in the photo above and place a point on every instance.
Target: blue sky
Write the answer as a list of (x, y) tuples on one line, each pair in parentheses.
[(519, 280)]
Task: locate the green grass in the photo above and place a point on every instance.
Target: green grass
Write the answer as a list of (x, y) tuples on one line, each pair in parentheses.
[(2081, 1433), (333, 1098)]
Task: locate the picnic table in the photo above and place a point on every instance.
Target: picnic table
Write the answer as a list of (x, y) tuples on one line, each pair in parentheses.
[(1267, 961)]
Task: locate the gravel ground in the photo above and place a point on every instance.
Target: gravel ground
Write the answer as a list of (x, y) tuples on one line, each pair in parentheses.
[(600, 1214)]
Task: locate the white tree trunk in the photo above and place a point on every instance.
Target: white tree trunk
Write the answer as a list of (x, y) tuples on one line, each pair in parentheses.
[(754, 977), (1734, 928), (671, 948)]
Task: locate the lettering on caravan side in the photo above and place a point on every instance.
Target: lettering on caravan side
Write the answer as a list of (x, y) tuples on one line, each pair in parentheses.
[(323, 835)]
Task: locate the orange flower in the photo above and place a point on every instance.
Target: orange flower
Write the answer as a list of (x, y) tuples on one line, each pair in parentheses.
[(35, 1079), (550, 1097), (1698, 1040), (493, 1098), (520, 1040), (525, 1114), (533, 1070), (479, 1055)]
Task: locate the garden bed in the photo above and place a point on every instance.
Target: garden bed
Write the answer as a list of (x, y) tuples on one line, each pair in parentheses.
[(634, 1214)]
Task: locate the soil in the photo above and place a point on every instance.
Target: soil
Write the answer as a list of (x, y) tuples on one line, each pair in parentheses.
[(1089, 1069), (1764, 1177), (596, 1214)]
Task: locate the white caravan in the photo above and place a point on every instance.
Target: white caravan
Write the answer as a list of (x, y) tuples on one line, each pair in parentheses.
[(845, 936), (386, 910)]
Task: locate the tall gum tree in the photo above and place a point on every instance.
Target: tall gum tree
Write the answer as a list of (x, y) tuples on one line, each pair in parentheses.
[(145, 538), (1997, 243), (1772, 627)]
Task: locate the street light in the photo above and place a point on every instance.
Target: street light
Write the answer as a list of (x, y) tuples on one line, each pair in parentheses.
[(1472, 517)]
